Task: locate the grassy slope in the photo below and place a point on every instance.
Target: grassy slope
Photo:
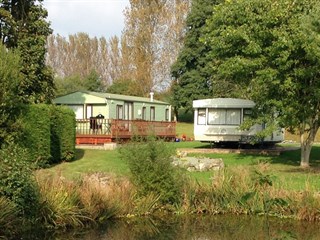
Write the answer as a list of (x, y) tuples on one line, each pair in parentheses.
[(283, 169)]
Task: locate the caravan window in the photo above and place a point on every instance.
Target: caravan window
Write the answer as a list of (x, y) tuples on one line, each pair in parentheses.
[(216, 116), (233, 116), (224, 116), (119, 112), (89, 112), (167, 114), (247, 114), (152, 114), (144, 113), (201, 116)]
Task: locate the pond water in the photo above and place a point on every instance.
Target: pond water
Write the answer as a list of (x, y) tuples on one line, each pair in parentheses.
[(191, 228)]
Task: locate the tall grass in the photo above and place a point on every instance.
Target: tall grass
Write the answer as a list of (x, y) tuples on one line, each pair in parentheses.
[(244, 191), (9, 217), (61, 204)]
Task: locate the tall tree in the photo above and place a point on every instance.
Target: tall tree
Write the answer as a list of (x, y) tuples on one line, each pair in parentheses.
[(23, 26), (271, 50), (152, 45), (79, 55), (191, 72)]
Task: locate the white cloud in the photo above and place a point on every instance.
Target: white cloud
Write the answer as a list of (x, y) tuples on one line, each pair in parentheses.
[(95, 17)]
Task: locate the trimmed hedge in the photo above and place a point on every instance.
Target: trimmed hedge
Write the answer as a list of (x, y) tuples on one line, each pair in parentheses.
[(35, 134), (63, 134), (48, 132)]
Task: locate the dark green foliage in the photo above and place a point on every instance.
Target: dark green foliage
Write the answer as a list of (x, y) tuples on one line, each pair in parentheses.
[(151, 169), (23, 26), (9, 80), (91, 82), (16, 180), (192, 71), (121, 87), (35, 133), (48, 132), (62, 134), (269, 52)]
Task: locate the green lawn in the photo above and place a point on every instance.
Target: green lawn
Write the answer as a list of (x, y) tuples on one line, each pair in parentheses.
[(185, 128), (283, 169)]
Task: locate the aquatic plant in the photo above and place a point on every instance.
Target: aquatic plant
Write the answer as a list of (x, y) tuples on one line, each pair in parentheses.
[(9, 217)]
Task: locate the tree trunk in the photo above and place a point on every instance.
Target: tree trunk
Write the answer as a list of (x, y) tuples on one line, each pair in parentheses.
[(305, 152), (306, 143)]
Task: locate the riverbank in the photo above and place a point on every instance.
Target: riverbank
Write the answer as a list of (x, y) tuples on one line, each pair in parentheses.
[(97, 186)]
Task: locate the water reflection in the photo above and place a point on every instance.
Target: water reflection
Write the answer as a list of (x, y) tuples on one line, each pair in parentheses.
[(193, 228)]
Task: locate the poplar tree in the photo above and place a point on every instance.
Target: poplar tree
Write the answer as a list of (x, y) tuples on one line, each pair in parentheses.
[(153, 34)]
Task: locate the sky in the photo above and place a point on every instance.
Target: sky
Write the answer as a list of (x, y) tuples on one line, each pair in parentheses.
[(98, 18)]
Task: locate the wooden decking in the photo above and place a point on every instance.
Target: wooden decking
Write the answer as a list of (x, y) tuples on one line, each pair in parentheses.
[(99, 131)]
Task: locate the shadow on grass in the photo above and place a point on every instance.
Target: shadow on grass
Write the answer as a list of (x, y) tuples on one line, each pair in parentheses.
[(291, 158), (79, 154)]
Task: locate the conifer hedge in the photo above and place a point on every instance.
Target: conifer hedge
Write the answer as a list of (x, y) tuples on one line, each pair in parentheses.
[(63, 135), (48, 132), (35, 134)]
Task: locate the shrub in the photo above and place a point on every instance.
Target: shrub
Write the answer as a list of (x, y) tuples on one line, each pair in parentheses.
[(151, 169), (16, 180), (10, 78), (62, 134), (35, 134)]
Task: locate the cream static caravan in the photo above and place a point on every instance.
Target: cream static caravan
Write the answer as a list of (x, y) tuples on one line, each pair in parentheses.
[(217, 120)]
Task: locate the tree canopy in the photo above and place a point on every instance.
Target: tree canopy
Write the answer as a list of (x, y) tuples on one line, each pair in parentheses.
[(192, 72), (269, 51), (23, 26), (91, 82)]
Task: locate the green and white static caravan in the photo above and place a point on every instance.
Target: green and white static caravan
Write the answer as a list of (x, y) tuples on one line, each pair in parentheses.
[(86, 104), (218, 120)]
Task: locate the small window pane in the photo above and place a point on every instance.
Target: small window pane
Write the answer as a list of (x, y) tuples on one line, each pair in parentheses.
[(119, 112), (233, 116), (167, 114), (217, 116), (201, 116), (89, 111), (152, 114), (144, 113)]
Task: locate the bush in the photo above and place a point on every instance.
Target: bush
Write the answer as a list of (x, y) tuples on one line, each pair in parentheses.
[(10, 78), (16, 180), (35, 134), (151, 169), (63, 134)]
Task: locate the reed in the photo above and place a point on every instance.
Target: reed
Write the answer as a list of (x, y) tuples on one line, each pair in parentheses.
[(104, 196), (91, 199), (9, 217), (238, 191), (61, 204)]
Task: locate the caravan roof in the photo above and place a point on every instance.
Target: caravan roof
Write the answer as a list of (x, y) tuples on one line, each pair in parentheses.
[(223, 103)]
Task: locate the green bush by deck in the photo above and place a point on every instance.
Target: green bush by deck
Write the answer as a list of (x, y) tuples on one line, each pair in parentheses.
[(48, 132), (62, 134), (35, 134)]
